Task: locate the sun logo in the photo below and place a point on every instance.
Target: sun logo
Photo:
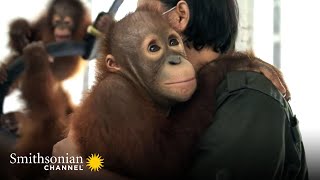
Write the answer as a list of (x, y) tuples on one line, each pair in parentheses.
[(95, 162)]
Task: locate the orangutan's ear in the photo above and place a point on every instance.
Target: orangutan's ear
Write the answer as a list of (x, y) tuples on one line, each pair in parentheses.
[(111, 63)]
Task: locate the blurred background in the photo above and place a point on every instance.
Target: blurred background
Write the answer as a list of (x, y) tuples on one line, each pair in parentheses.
[(285, 33)]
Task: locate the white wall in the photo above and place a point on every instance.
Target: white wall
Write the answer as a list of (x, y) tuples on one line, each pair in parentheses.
[(300, 65), (300, 62), (262, 39)]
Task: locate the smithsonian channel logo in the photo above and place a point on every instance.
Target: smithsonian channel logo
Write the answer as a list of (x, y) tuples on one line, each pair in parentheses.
[(60, 163)]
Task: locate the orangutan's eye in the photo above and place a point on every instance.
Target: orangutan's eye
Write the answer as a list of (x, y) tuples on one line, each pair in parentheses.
[(173, 42), (153, 48)]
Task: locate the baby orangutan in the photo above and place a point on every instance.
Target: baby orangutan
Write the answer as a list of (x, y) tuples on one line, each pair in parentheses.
[(142, 72), (131, 116)]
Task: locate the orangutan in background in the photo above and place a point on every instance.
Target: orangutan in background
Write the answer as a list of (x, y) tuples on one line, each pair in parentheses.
[(47, 104)]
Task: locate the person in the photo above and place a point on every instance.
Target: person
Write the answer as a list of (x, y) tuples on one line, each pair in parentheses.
[(254, 134)]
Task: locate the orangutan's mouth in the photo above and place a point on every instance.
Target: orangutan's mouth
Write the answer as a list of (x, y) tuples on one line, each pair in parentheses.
[(61, 38), (179, 82)]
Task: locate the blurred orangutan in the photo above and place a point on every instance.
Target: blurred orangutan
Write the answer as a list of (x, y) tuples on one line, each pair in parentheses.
[(47, 104)]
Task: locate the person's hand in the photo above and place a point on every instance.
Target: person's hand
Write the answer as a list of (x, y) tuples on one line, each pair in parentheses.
[(239, 61), (274, 75)]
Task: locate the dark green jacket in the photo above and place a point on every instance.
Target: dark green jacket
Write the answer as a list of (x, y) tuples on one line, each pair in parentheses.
[(253, 135)]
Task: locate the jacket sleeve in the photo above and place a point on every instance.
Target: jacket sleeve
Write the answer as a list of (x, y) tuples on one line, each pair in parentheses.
[(245, 141)]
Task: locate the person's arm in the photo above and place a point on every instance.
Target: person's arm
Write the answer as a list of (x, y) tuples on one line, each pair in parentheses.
[(239, 61), (245, 140), (274, 75)]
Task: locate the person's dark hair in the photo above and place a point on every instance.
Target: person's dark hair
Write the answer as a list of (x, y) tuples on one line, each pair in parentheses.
[(213, 23)]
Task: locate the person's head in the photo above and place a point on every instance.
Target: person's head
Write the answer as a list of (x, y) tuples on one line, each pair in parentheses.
[(202, 23)]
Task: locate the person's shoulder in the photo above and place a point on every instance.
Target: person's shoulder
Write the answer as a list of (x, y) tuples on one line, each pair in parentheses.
[(245, 98), (248, 82)]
